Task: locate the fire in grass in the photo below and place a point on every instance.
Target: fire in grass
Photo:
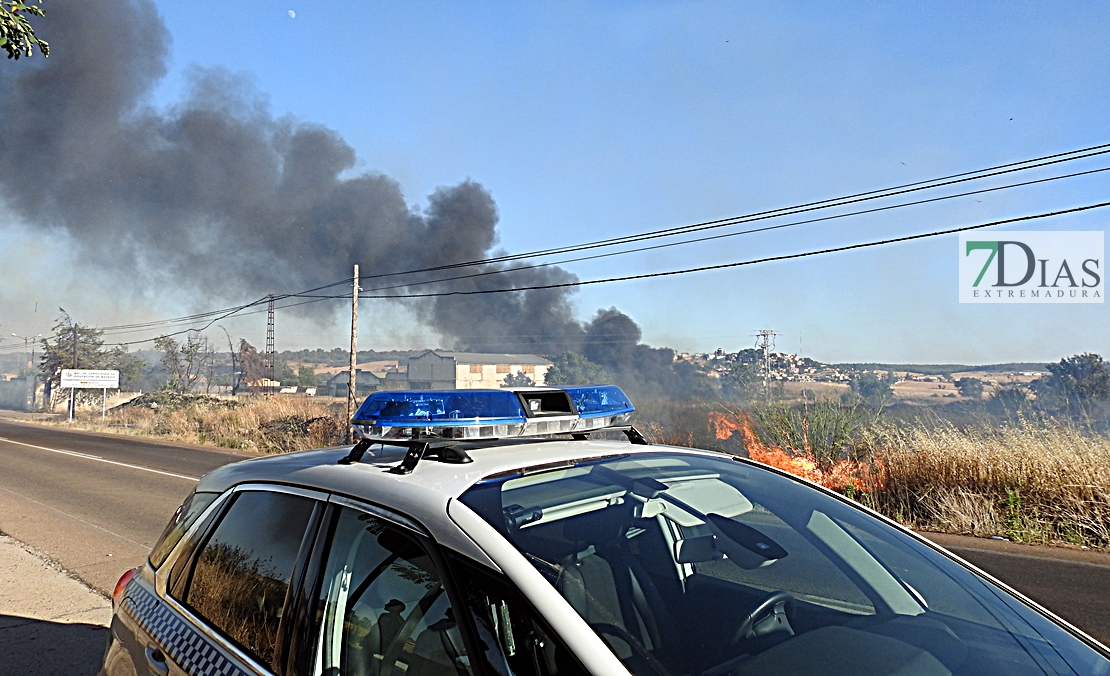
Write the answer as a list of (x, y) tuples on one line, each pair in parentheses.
[(844, 475)]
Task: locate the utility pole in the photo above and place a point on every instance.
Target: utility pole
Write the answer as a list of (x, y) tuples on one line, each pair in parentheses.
[(765, 340), (72, 399), (352, 380), (268, 364)]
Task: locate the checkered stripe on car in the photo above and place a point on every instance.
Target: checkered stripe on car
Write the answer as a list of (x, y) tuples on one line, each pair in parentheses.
[(188, 648)]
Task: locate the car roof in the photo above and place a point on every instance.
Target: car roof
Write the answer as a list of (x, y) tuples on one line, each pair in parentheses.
[(424, 494)]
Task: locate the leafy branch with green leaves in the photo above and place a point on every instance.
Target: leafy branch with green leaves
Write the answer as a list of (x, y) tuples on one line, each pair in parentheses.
[(17, 36)]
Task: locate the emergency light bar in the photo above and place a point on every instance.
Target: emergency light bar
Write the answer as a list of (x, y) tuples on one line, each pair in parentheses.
[(491, 414)]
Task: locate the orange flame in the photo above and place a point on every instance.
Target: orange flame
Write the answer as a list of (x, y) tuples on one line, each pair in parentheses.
[(839, 477)]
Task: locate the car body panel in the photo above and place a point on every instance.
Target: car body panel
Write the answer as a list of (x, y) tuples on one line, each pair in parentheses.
[(425, 501)]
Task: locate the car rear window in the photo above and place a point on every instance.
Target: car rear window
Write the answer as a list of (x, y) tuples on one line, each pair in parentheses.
[(182, 519), (241, 575)]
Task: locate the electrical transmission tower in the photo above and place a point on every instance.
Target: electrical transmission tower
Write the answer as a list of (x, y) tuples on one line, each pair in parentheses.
[(268, 358), (765, 340)]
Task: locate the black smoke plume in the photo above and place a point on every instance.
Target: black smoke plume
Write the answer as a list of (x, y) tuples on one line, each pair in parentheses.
[(220, 199)]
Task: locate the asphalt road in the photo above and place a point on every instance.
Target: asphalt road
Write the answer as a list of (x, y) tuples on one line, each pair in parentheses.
[(96, 503)]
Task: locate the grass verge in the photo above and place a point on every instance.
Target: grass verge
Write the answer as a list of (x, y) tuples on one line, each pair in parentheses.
[(266, 424), (1030, 482)]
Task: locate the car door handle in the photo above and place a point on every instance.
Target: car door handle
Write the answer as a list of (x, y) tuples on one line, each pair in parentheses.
[(157, 662)]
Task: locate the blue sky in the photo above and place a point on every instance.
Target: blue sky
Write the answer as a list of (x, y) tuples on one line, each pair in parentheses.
[(589, 120)]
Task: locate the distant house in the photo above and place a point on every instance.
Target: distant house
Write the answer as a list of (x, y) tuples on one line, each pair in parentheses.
[(365, 382), (438, 370)]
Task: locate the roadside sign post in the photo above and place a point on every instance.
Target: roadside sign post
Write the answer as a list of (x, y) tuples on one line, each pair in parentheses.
[(95, 379)]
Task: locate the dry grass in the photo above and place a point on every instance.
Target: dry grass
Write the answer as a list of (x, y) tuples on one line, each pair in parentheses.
[(1031, 482), (267, 424), (1034, 482), (241, 595)]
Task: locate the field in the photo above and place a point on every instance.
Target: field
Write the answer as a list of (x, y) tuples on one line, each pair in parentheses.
[(268, 424), (1028, 481), (1031, 482)]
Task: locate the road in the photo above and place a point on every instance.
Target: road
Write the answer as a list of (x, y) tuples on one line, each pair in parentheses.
[(96, 503)]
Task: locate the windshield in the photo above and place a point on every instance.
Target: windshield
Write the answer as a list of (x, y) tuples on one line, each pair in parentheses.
[(690, 564)]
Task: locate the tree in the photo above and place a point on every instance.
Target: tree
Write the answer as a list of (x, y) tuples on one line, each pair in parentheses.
[(873, 389), (250, 364), (518, 380), (73, 345), (186, 361), (284, 374), (571, 368), (70, 346), (1074, 383), (131, 368), (970, 387), (306, 376), (17, 36), (1009, 401)]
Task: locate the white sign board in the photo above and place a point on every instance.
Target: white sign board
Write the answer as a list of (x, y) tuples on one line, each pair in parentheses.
[(90, 379)]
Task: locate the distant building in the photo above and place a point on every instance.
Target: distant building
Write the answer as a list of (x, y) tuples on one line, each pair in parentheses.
[(263, 384), (437, 370), (365, 382), (308, 391)]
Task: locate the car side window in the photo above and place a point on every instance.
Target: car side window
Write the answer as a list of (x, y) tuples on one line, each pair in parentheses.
[(184, 517), (515, 640), (383, 609), (241, 574)]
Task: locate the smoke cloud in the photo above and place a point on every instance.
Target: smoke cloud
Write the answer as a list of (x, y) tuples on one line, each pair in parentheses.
[(218, 196), (221, 199)]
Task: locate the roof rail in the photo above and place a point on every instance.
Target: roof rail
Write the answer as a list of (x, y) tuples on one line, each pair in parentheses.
[(448, 451)]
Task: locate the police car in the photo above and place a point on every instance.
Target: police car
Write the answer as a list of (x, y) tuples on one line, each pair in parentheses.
[(498, 532)]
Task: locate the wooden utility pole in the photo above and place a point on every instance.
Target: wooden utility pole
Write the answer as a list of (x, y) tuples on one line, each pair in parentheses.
[(72, 397), (351, 379)]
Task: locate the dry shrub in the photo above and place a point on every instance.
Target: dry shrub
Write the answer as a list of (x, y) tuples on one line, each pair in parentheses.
[(957, 511), (270, 424), (1031, 482)]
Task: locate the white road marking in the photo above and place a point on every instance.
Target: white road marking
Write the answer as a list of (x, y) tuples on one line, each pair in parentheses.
[(76, 518), (97, 458)]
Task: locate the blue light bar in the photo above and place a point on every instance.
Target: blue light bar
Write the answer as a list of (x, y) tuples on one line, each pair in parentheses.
[(594, 401), (443, 408), (490, 414)]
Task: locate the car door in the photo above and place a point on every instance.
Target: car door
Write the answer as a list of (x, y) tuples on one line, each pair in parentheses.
[(226, 595), (382, 607), (388, 601)]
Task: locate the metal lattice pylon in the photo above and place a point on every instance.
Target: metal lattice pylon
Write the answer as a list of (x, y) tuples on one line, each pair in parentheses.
[(765, 341), (268, 359)]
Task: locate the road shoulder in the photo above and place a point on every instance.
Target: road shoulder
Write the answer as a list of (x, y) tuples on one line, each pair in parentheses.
[(1020, 549), (50, 623), (32, 587)]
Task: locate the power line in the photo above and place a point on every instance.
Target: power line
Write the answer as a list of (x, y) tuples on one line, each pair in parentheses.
[(997, 170), (756, 261), (1046, 160), (704, 268), (733, 234), (953, 179)]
